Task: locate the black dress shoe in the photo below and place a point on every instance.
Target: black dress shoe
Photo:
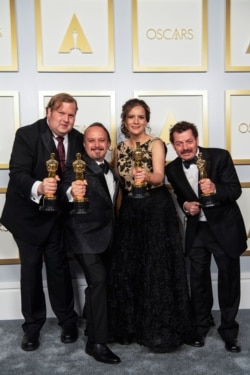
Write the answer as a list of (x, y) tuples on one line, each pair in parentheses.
[(102, 353), (30, 341), (69, 334), (198, 342), (231, 346)]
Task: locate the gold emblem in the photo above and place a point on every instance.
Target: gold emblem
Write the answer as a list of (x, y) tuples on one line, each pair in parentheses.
[(170, 121), (75, 38)]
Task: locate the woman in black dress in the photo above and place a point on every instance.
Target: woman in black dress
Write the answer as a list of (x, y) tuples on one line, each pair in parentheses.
[(147, 285)]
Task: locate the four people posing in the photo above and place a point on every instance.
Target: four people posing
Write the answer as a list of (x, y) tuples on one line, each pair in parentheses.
[(148, 295)]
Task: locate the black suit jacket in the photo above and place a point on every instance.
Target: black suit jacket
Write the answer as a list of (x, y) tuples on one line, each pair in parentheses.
[(225, 220), (90, 233), (32, 147)]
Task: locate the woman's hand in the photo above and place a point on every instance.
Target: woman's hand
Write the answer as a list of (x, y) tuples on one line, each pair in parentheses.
[(139, 175)]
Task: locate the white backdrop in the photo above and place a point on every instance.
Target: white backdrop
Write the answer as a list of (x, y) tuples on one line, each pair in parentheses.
[(124, 83)]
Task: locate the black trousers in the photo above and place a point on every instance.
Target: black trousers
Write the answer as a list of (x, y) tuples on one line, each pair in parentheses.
[(58, 279), (204, 246), (94, 270)]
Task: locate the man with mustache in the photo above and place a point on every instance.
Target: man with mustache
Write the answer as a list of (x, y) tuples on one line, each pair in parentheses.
[(217, 230), (88, 236)]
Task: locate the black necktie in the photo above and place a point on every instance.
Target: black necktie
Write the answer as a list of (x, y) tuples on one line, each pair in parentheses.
[(61, 152), (104, 167), (187, 163)]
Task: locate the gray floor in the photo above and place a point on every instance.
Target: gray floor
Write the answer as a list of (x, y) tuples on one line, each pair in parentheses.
[(53, 357)]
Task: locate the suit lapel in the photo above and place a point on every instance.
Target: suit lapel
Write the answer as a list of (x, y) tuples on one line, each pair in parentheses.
[(47, 138), (206, 156), (183, 181), (94, 168), (116, 185), (72, 146)]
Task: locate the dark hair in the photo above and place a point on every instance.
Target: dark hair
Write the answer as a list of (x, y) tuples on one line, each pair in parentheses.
[(181, 127), (99, 125), (126, 108), (57, 100)]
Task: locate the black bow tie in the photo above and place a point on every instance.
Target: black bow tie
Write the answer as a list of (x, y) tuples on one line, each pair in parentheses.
[(104, 167), (187, 163)]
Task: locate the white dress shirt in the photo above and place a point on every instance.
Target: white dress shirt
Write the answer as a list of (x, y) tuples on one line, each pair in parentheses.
[(192, 175)]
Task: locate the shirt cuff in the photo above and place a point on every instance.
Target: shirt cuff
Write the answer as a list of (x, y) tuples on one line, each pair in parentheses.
[(69, 195), (34, 196)]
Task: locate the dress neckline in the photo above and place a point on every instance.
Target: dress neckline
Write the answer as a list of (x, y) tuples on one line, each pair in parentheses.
[(141, 144)]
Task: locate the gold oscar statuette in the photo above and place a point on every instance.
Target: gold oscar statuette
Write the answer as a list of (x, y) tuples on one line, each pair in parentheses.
[(49, 200), (80, 203), (207, 199), (138, 187)]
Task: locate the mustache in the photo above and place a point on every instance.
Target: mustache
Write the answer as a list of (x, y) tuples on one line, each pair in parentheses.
[(186, 152), (97, 148)]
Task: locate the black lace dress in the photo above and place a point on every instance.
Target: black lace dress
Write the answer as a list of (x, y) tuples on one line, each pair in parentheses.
[(148, 294)]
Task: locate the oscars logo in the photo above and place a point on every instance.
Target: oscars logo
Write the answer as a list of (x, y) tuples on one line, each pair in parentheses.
[(75, 38)]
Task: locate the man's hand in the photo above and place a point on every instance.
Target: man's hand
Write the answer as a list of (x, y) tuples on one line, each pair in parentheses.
[(78, 188), (192, 208), (207, 186), (48, 186)]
